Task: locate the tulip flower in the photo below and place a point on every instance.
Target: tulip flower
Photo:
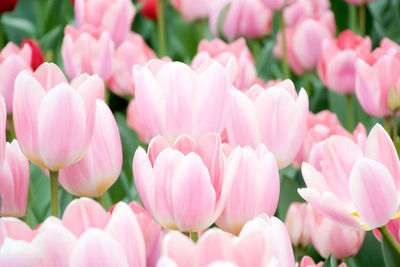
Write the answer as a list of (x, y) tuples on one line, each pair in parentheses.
[(307, 261), (20, 253), (192, 10), (114, 16), (304, 41), (319, 127), (54, 121), (301, 9), (134, 121), (355, 189), (222, 52), (100, 167), (189, 172), (297, 224), (276, 4), (276, 118), (133, 51), (248, 18), (377, 79), (14, 182), (13, 228), (336, 67), (174, 99), (37, 55), (7, 5), (329, 237), (149, 8), (3, 123), (251, 248), (12, 61), (255, 187), (87, 50)]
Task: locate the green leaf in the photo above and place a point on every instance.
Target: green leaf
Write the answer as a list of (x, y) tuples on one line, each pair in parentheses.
[(330, 262), (370, 254), (288, 194), (17, 29), (390, 256)]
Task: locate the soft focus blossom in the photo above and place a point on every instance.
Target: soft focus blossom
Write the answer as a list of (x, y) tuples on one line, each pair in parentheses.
[(276, 118), (255, 187), (115, 16), (133, 51), (301, 9), (100, 167), (14, 182), (296, 222), (134, 121), (329, 237), (54, 120), (222, 52), (12, 61), (174, 99), (304, 41), (87, 50), (337, 65), (37, 54), (307, 261), (149, 8), (189, 172), (13, 228), (357, 189), (249, 18), (7, 5), (192, 10), (276, 4)]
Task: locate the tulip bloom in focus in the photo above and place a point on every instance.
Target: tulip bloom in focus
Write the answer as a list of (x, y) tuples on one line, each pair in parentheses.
[(182, 187), (277, 117), (355, 189), (53, 120)]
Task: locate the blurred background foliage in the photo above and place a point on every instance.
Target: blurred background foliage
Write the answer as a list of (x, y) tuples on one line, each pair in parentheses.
[(45, 20)]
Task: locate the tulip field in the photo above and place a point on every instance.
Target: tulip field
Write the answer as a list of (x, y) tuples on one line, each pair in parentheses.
[(199, 133)]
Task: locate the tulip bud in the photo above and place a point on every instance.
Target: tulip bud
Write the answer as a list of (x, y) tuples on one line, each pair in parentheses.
[(393, 99), (7, 5), (297, 225)]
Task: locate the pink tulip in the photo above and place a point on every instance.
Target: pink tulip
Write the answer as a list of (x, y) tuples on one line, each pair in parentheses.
[(377, 77), (192, 10), (134, 122), (304, 41), (17, 253), (307, 261), (98, 248), (3, 124), (102, 163), (336, 67), (14, 182), (115, 16), (297, 224), (54, 121), (149, 8), (301, 9), (276, 118), (174, 99), (12, 61), (151, 233), (249, 18), (189, 172), (355, 189), (251, 248), (255, 187), (277, 4), (329, 237), (87, 50), (54, 242), (359, 2), (319, 127), (83, 214), (132, 51), (15, 229), (223, 52)]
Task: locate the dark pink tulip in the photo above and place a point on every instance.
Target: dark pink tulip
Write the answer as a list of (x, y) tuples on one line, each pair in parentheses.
[(37, 54), (53, 120), (7, 5), (115, 16), (337, 65), (14, 181), (222, 52), (12, 61)]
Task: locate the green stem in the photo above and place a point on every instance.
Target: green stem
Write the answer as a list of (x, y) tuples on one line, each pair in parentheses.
[(353, 17), (100, 200), (201, 28), (161, 27), (350, 112), (362, 19), (286, 71), (54, 192), (11, 127), (194, 236), (394, 117), (389, 237), (2, 34), (386, 123)]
